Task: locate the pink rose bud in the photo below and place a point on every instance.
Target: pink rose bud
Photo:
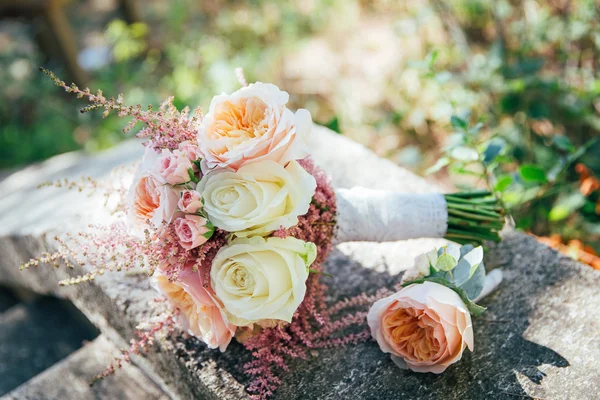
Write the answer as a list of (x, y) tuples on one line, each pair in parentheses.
[(425, 327), (174, 167), (190, 201), (192, 231), (189, 149)]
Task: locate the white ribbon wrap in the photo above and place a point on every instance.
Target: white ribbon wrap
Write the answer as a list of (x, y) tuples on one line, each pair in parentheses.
[(367, 215)]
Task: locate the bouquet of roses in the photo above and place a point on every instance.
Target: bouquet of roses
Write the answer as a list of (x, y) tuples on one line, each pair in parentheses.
[(232, 220)]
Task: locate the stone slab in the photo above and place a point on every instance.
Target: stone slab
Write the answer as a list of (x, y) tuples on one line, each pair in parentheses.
[(35, 336), (70, 379), (539, 338)]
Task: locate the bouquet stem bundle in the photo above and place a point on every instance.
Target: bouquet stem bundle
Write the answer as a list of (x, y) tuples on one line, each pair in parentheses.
[(474, 217)]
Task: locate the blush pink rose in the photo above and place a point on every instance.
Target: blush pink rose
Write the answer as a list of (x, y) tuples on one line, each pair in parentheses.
[(425, 327), (252, 124), (191, 151), (192, 231), (190, 201), (200, 312), (173, 166), (149, 199)]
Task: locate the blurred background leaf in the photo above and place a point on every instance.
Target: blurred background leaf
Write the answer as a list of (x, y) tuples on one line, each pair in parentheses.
[(496, 94)]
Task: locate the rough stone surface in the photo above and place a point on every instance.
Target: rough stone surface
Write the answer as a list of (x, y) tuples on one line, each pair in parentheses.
[(7, 299), (539, 338), (35, 336), (69, 379)]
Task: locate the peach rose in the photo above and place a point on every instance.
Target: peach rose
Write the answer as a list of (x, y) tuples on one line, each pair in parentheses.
[(252, 124), (149, 199), (425, 327), (192, 231), (200, 312), (190, 201), (173, 166)]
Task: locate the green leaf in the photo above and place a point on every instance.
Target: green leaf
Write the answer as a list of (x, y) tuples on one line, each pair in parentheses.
[(441, 163), (533, 173), (493, 149), (211, 230), (563, 143), (445, 262), (473, 308), (503, 183), (464, 153), (458, 122), (192, 175), (474, 285), (565, 206), (334, 124)]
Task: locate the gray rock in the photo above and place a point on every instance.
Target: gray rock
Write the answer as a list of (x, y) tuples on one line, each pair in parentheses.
[(35, 336), (7, 299), (538, 339), (70, 379)]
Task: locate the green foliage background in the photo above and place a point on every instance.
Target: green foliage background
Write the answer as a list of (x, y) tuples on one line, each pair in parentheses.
[(503, 94)]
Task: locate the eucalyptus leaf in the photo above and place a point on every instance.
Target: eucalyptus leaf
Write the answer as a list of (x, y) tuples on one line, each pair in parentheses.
[(474, 285), (465, 249), (445, 262), (474, 258), (462, 272), (453, 250), (473, 308)]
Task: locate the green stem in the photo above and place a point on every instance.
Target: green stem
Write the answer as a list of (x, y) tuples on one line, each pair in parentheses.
[(474, 217)]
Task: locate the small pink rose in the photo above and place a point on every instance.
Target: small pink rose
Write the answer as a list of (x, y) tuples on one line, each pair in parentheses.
[(425, 327), (190, 201), (191, 230), (189, 149), (174, 166)]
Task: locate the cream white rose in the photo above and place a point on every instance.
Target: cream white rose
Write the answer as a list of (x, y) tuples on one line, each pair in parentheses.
[(258, 199), (258, 279)]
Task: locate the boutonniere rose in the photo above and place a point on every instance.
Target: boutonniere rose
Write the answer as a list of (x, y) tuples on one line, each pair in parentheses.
[(252, 124), (262, 279), (425, 327), (258, 199)]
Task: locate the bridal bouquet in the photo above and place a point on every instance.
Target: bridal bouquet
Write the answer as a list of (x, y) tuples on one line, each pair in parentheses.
[(232, 221)]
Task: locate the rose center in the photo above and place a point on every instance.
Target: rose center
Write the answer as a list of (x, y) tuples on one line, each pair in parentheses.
[(238, 122), (242, 281), (412, 333)]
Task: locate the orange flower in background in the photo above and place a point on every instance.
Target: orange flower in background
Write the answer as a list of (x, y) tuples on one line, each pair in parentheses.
[(574, 249), (588, 183)]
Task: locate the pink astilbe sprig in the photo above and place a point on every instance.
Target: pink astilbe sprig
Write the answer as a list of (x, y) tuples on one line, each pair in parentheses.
[(163, 325), (114, 186), (165, 128)]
